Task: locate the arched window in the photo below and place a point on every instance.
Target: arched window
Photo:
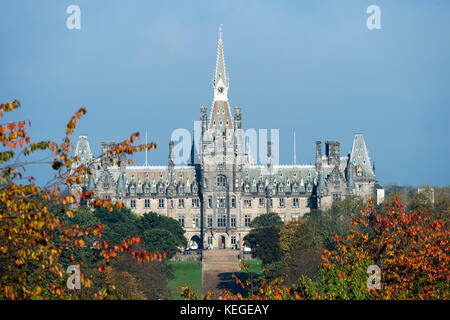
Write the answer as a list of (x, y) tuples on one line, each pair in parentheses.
[(221, 181)]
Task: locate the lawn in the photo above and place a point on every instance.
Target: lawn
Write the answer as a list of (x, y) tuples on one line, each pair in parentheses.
[(186, 273), (253, 272), (254, 266)]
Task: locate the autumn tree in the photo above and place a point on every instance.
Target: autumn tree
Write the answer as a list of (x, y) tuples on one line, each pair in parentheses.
[(32, 236), (411, 250)]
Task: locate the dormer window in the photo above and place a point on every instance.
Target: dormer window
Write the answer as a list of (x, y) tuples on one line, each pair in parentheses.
[(132, 177)]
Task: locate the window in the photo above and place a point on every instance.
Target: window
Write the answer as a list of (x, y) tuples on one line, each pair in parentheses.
[(295, 217), (195, 203), (221, 166), (247, 220), (209, 202), (210, 240), (171, 204), (261, 202), (282, 203), (336, 183), (106, 185), (132, 190), (132, 177), (146, 176), (270, 203), (261, 188), (359, 171), (221, 181), (133, 203), (195, 222), (359, 187), (147, 190), (181, 220), (295, 202), (161, 203), (147, 203), (181, 203), (233, 239), (233, 221), (221, 221), (246, 188), (336, 197), (209, 221), (233, 202), (221, 203), (282, 217), (247, 203)]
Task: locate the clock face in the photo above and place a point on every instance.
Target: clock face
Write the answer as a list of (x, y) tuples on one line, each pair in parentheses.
[(220, 89)]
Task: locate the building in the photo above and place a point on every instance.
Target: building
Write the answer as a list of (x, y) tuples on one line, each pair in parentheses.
[(218, 194)]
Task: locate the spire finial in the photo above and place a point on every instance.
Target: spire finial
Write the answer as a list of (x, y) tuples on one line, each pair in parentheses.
[(220, 31), (146, 158)]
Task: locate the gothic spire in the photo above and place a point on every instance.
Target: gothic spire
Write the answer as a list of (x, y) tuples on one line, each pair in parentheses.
[(221, 73)]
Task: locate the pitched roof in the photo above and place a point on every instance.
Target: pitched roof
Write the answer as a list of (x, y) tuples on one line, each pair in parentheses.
[(359, 156)]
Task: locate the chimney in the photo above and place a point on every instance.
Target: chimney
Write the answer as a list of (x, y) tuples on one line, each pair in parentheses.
[(171, 162), (203, 118), (237, 118), (318, 155), (333, 152)]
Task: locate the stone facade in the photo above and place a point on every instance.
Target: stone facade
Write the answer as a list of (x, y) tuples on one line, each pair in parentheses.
[(221, 191)]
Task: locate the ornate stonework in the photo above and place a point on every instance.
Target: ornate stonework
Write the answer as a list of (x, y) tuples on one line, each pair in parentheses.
[(222, 190)]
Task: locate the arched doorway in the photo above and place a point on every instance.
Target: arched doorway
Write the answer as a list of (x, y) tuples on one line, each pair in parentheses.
[(195, 243), (222, 242)]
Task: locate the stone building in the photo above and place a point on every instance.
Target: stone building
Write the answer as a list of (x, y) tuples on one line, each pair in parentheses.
[(217, 195)]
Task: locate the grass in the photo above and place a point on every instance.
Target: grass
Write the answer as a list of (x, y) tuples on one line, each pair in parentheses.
[(254, 266), (253, 271), (186, 273)]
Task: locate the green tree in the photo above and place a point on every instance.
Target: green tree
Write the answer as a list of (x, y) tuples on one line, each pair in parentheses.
[(118, 224), (160, 240), (267, 219), (153, 220), (265, 244)]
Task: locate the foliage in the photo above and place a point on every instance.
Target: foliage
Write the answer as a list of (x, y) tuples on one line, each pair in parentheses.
[(264, 242), (33, 237), (266, 220), (335, 220), (153, 220), (118, 224), (151, 278), (411, 250), (160, 240)]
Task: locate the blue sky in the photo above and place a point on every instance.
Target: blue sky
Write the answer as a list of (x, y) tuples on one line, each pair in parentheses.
[(311, 67)]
